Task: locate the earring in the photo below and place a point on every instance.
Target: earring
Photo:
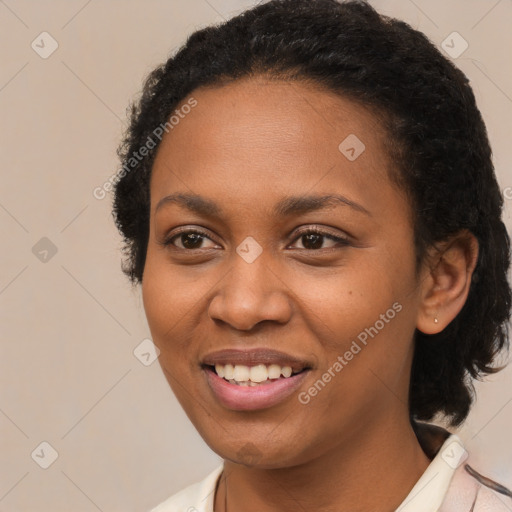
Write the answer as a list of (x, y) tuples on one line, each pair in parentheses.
[(436, 320)]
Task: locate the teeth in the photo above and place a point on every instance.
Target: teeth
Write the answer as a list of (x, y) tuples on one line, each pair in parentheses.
[(251, 376), (258, 373), (286, 371), (251, 384), (241, 373), (228, 371), (274, 371)]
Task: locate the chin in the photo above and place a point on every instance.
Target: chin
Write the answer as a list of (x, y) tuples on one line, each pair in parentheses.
[(258, 454)]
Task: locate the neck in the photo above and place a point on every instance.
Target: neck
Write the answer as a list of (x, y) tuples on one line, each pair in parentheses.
[(371, 470)]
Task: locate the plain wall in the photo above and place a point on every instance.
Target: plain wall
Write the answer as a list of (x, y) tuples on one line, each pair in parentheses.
[(70, 324)]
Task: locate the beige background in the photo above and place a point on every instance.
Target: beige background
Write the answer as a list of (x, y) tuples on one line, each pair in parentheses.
[(69, 325)]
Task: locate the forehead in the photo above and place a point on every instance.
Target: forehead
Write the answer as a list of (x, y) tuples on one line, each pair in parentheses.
[(281, 112), (260, 132)]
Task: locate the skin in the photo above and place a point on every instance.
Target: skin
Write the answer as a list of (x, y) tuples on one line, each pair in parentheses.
[(245, 146)]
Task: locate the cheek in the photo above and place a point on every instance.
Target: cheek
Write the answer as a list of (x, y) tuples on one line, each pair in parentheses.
[(371, 330), (168, 308), (350, 299), (167, 300), (365, 314)]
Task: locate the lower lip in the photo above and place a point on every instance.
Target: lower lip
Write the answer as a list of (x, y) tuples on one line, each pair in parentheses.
[(250, 398)]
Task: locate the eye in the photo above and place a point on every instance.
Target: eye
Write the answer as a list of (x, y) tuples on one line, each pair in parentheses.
[(190, 239), (312, 239)]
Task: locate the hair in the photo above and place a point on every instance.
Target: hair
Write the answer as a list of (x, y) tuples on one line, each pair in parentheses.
[(436, 139)]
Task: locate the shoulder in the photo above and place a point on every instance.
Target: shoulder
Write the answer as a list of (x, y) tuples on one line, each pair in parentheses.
[(197, 497), (469, 491)]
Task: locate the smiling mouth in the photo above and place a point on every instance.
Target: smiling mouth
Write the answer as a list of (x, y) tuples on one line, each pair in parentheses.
[(258, 375), (255, 379)]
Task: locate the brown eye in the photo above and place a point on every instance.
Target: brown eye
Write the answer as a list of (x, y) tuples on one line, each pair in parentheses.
[(313, 239), (190, 239)]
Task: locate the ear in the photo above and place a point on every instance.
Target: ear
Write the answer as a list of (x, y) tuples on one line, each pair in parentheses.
[(446, 278)]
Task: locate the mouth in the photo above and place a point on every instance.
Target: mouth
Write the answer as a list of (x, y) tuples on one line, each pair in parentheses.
[(258, 375), (256, 379)]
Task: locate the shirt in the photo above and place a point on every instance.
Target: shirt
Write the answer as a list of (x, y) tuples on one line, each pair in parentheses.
[(448, 484)]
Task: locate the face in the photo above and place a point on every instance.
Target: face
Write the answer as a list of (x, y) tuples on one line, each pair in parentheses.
[(250, 271)]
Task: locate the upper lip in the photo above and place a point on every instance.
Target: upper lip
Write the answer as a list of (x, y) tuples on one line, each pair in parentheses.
[(255, 356)]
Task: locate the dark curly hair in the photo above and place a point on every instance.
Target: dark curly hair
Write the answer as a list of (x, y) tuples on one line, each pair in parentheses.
[(436, 137)]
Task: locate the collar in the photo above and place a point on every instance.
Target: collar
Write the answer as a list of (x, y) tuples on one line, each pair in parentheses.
[(446, 453)]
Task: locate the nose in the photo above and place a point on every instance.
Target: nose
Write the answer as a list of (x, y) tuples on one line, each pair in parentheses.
[(250, 294)]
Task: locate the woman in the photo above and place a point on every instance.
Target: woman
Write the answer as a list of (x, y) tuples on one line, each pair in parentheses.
[(309, 203)]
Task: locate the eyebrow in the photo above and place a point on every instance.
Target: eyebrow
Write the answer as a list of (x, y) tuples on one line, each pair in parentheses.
[(285, 207)]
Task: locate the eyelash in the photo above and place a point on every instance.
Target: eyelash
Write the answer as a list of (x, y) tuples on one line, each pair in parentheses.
[(341, 241)]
